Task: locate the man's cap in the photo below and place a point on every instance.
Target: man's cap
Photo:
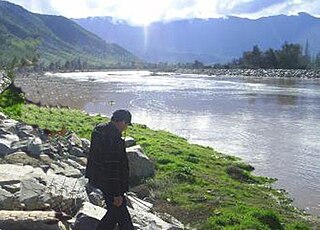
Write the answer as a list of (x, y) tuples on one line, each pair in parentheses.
[(122, 115)]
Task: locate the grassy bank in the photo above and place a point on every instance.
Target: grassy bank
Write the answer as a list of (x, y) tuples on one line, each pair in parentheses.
[(196, 184)]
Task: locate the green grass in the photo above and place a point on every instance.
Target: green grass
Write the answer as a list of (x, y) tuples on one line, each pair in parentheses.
[(196, 184)]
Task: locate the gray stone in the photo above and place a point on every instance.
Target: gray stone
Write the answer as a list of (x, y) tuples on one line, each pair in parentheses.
[(13, 188), (74, 140), (6, 199), (5, 147), (58, 191), (65, 169), (31, 194), (95, 195), (34, 147), (12, 174), (130, 141), (140, 212), (88, 217), (139, 164), (85, 145), (10, 137), (30, 220), (25, 131), (9, 125), (75, 165), (2, 116), (3, 131), (77, 152)]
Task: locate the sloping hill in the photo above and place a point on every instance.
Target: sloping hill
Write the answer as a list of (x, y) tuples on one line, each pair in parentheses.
[(207, 40), (55, 39)]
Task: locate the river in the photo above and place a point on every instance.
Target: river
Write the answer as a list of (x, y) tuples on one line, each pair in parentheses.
[(271, 123)]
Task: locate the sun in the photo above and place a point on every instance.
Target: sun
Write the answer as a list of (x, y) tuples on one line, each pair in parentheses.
[(144, 12)]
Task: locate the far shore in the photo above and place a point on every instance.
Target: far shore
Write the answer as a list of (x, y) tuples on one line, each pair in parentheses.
[(274, 73), (265, 73)]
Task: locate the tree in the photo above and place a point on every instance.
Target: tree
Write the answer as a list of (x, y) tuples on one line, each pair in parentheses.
[(269, 60), (197, 64), (251, 59), (317, 61), (290, 57)]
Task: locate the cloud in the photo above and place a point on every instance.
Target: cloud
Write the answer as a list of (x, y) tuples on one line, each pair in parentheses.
[(288, 7), (147, 11)]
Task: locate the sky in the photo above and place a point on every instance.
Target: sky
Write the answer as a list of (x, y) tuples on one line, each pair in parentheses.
[(144, 12)]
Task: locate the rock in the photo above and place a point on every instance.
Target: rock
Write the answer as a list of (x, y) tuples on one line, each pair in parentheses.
[(6, 199), (130, 141), (78, 152), (12, 174), (3, 131), (5, 147), (31, 194), (139, 164), (10, 137), (65, 169), (45, 158), (39, 189), (143, 217), (30, 220), (81, 160), (95, 195), (85, 146), (75, 165), (25, 131), (9, 125), (142, 191), (12, 188), (88, 217), (2, 116), (74, 140), (34, 147)]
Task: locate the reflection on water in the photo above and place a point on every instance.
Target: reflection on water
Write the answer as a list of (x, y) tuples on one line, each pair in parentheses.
[(273, 124)]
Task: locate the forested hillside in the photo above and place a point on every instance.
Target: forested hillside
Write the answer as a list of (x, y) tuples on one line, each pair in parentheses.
[(54, 41)]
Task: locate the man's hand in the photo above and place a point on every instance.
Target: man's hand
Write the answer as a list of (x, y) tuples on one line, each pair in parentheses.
[(117, 201)]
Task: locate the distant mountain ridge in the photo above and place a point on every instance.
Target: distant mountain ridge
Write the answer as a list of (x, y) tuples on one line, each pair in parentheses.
[(207, 40), (54, 38)]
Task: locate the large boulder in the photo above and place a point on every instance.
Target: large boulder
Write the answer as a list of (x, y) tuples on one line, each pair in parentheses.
[(140, 165), (141, 213), (31, 220), (63, 168), (40, 190), (6, 199)]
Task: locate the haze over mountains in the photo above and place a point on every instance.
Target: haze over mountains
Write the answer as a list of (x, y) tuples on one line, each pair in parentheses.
[(54, 38), (58, 39), (210, 41)]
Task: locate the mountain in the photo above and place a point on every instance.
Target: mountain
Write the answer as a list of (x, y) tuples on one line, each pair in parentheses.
[(54, 39), (207, 40)]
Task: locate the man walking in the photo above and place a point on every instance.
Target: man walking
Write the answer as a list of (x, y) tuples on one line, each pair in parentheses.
[(108, 169)]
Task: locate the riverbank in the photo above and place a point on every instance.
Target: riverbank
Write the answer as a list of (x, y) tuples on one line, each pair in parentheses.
[(199, 186), (274, 73)]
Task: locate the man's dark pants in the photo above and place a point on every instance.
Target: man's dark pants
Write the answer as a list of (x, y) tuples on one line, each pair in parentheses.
[(115, 215)]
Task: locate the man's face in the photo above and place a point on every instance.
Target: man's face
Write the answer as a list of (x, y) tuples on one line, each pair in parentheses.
[(123, 126)]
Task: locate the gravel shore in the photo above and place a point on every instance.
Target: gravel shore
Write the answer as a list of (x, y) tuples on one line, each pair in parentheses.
[(277, 73)]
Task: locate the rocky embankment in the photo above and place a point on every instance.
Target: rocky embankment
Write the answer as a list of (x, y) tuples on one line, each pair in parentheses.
[(42, 184), (276, 73)]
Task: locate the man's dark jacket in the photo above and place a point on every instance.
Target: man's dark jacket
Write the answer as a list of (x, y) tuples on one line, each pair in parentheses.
[(107, 166)]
